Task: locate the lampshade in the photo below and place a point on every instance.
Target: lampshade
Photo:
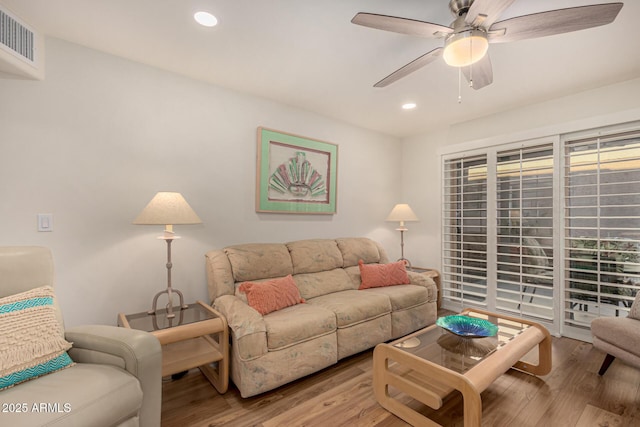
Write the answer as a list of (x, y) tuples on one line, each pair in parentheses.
[(402, 212), (465, 48), (168, 209)]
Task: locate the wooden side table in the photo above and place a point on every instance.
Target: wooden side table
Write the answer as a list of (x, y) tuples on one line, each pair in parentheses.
[(196, 337), (435, 275)]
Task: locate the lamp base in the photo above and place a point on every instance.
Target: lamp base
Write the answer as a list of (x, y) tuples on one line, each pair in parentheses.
[(168, 291), (407, 263)]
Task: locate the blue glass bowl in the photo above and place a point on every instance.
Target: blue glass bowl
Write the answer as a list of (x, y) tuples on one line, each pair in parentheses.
[(469, 327)]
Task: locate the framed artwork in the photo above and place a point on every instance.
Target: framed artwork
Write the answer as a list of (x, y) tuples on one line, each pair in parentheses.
[(295, 174)]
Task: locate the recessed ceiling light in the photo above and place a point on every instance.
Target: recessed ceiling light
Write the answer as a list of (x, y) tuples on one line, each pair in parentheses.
[(206, 19), (409, 106)]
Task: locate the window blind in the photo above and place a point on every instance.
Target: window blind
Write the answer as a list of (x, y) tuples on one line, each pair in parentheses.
[(524, 213), (602, 226), (464, 271)]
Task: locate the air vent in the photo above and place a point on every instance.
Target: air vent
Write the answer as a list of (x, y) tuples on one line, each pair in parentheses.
[(21, 48), (16, 37)]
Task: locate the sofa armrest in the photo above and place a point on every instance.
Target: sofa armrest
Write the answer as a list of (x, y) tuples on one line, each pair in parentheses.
[(248, 330), (137, 352), (425, 281)]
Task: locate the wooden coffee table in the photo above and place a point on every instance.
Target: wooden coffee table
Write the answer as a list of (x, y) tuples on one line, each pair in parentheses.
[(197, 337), (430, 364)]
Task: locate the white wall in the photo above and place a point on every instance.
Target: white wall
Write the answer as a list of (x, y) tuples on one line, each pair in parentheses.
[(95, 141), (589, 109), (421, 184), (422, 154)]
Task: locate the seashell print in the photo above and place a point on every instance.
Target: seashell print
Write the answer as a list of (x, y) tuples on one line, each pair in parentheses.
[(297, 177)]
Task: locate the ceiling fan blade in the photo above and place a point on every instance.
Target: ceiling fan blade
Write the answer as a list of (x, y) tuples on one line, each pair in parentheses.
[(554, 22), (479, 74), (401, 25), (483, 13), (412, 66)]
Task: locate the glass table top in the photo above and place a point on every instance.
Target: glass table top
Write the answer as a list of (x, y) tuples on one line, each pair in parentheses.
[(456, 352), (154, 322)]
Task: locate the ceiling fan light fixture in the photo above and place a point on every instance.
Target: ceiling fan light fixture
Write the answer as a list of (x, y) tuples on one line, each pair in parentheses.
[(465, 48)]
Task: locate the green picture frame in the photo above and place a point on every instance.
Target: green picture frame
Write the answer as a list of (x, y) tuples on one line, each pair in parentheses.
[(295, 174)]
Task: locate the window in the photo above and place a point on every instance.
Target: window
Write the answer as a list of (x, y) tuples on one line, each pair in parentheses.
[(548, 229), (524, 211), (465, 231), (602, 226)]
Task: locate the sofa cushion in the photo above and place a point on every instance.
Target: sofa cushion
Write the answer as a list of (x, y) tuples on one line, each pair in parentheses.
[(353, 307), (358, 248), (259, 261), (377, 275), (271, 295), (297, 324), (76, 397), (311, 256), (354, 275), (313, 285), (31, 338), (403, 297)]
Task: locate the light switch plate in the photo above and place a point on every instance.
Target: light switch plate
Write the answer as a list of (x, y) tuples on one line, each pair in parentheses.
[(45, 222)]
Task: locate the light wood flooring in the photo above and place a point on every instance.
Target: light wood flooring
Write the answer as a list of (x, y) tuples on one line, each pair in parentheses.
[(573, 394)]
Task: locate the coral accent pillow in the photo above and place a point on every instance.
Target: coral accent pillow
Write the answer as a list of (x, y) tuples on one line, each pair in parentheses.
[(272, 295), (378, 275)]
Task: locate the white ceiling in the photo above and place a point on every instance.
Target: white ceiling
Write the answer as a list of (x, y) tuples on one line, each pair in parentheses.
[(306, 53)]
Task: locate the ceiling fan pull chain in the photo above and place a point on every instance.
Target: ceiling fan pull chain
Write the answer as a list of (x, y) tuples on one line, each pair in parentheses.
[(459, 85), (471, 65)]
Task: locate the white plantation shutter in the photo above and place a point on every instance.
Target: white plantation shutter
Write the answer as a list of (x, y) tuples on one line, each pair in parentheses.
[(524, 214), (602, 226), (547, 229), (464, 271)]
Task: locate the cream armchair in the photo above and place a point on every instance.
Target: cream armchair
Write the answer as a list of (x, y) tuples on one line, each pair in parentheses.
[(116, 380), (619, 337)]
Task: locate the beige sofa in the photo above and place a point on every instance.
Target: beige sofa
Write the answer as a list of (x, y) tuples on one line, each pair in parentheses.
[(116, 379), (337, 320)]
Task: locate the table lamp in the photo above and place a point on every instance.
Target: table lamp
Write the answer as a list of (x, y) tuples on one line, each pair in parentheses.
[(167, 209), (402, 212)]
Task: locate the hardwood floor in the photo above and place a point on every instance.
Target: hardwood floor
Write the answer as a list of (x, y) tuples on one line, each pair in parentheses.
[(573, 394)]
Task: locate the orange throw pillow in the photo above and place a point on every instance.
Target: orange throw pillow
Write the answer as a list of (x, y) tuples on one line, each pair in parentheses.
[(272, 295), (377, 275)]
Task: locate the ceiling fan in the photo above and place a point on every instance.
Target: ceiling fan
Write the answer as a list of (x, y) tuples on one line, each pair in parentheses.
[(467, 39)]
